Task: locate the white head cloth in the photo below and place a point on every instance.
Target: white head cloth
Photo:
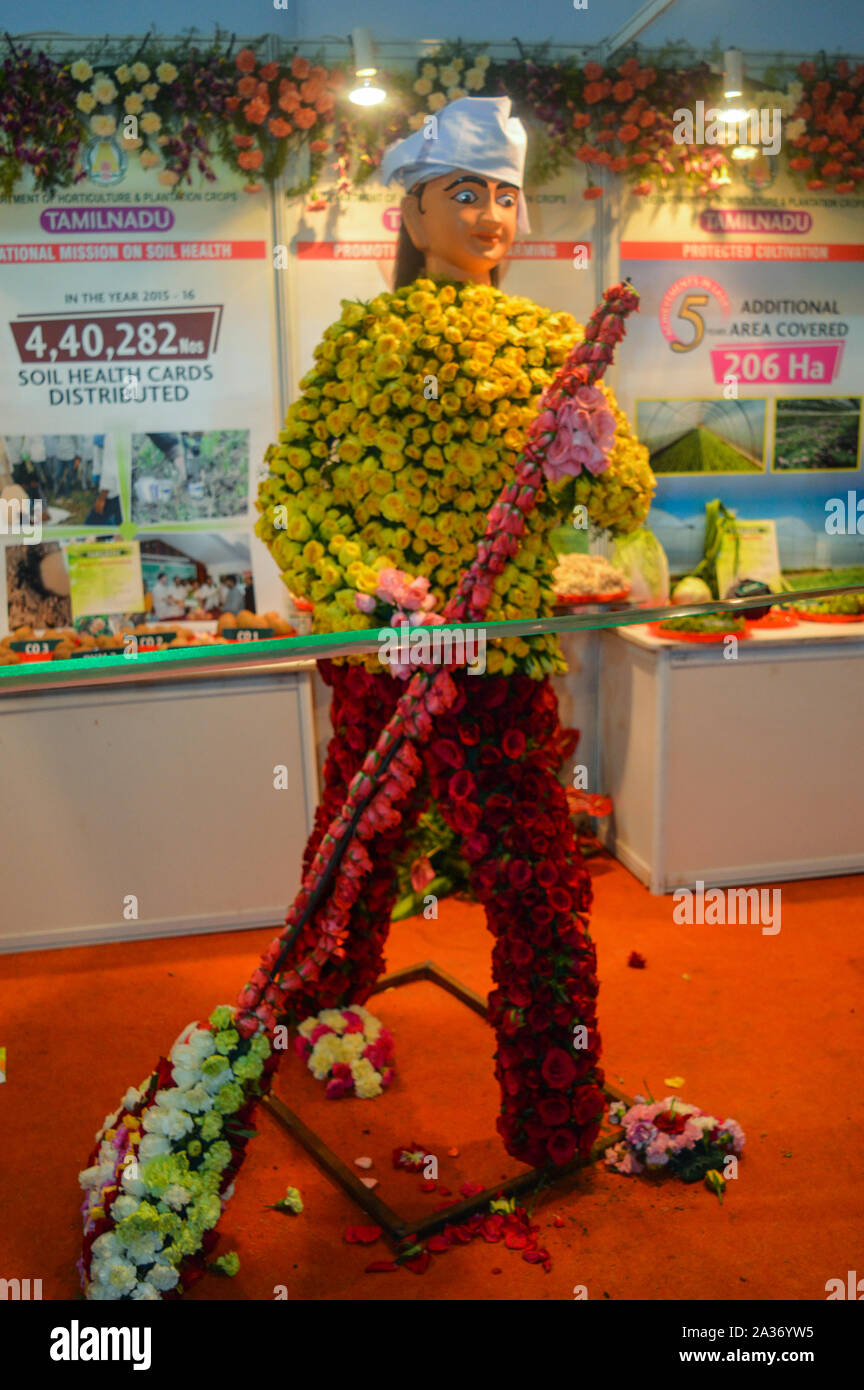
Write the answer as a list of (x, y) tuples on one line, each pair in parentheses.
[(476, 134)]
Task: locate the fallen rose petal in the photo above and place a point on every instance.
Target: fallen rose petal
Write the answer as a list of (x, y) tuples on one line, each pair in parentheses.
[(438, 1244), (558, 1221), (536, 1257), (428, 1185), (369, 1182), (453, 1153), (362, 1163), (381, 1267), (676, 1082), (471, 1189), (459, 1233), (419, 1264), (636, 961), (497, 1271), (516, 1240), (444, 1191), (362, 1235)]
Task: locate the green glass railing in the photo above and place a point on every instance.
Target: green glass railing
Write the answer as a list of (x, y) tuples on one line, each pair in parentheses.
[(280, 653)]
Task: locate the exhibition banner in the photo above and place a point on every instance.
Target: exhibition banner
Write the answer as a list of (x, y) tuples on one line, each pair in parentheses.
[(743, 371), (137, 382)]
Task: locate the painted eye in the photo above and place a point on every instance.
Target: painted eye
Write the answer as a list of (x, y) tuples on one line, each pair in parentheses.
[(465, 195), (506, 200)]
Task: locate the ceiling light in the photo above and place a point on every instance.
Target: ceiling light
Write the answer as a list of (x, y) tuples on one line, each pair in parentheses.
[(366, 93), (733, 73)]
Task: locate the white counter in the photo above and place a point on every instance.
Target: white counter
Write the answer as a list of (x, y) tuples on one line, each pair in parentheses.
[(134, 811), (733, 771)]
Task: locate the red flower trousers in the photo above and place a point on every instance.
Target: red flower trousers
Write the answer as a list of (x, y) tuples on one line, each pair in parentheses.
[(491, 764)]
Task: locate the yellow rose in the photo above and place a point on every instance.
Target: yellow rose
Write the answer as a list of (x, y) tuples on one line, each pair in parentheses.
[(85, 102), (140, 72), (150, 90), (166, 72), (103, 90), (150, 123)]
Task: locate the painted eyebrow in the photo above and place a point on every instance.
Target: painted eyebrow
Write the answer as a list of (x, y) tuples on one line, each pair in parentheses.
[(475, 178)]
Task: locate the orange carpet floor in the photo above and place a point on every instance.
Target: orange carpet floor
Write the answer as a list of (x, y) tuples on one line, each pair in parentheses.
[(762, 1028)]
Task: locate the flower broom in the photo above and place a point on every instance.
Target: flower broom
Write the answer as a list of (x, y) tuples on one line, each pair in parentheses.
[(163, 1167)]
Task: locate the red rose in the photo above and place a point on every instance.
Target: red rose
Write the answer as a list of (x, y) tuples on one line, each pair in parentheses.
[(560, 900), (580, 120), (558, 1069), (553, 1110), (561, 1145), (278, 127), (247, 86), (519, 873), (477, 845), (622, 91), (593, 192), (587, 1104), (670, 1124), (466, 816), (520, 994), (300, 67), (269, 71), (521, 953), (539, 1018), (593, 72), (461, 785), (446, 751), (513, 743), (250, 159)]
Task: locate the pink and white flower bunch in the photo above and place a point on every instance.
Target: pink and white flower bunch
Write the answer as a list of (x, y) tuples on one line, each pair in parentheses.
[(399, 590), (585, 435), (350, 1049), (669, 1134)]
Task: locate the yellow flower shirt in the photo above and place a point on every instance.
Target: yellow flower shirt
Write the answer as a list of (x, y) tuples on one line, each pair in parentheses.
[(409, 425)]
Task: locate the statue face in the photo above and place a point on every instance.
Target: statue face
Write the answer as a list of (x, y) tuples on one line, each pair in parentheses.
[(464, 223)]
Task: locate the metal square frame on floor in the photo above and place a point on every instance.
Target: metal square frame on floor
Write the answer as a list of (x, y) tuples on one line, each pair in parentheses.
[(397, 1228)]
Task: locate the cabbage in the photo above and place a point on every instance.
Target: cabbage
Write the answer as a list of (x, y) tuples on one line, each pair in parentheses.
[(643, 559), (691, 590)]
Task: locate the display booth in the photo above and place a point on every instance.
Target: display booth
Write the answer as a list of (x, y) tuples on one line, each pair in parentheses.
[(277, 416)]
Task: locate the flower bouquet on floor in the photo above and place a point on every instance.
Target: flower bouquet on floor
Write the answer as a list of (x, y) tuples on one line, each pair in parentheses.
[(164, 1163), (667, 1135), (350, 1049)]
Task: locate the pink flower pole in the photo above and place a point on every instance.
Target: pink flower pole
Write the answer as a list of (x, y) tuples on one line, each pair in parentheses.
[(390, 770)]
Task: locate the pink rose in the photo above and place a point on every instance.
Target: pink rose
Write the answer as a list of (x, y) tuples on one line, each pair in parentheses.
[(365, 603), (421, 873), (353, 1022), (318, 1032), (337, 1089)]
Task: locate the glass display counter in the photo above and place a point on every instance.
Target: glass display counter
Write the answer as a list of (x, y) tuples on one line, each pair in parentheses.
[(173, 791)]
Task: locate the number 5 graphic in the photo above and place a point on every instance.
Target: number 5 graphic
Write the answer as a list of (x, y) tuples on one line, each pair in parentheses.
[(688, 312)]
